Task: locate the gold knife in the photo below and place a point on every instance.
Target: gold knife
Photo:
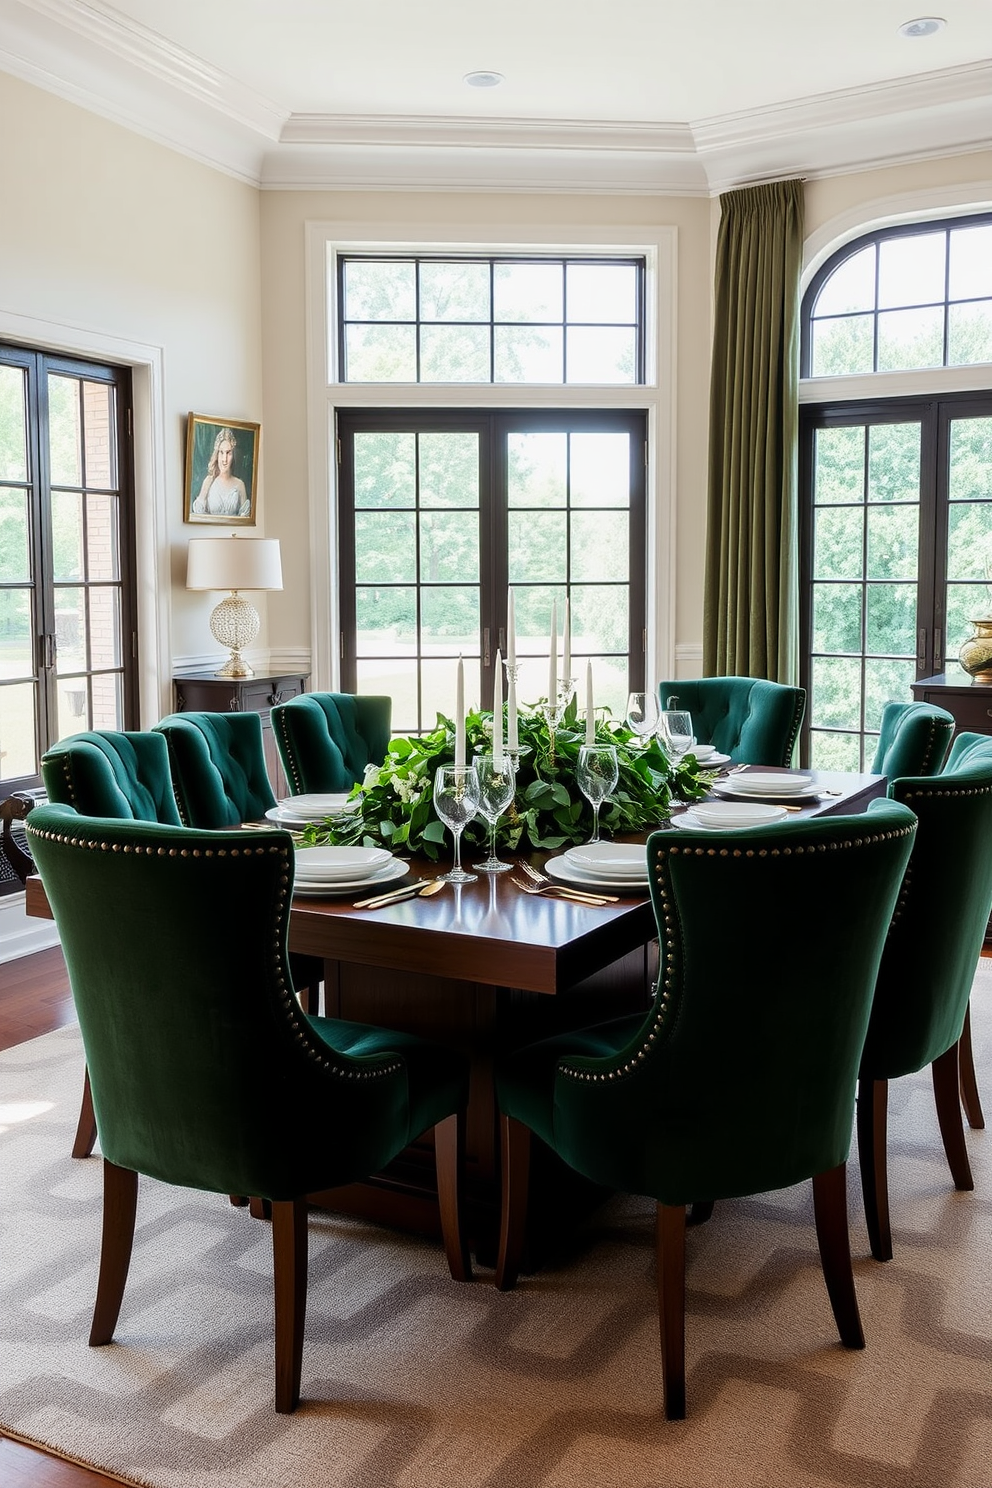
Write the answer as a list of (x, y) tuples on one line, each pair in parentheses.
[(410, 891)]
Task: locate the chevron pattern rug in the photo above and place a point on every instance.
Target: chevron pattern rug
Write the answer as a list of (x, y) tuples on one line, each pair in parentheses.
[(411, 1381)]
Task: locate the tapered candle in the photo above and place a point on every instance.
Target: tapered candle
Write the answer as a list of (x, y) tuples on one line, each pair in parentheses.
[(590, 711), (511, 630), (460, 715), (512, 738), (553, 657), (498, 712), (566, 645)]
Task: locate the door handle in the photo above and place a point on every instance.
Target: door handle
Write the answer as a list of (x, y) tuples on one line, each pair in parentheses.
[(486, 638)]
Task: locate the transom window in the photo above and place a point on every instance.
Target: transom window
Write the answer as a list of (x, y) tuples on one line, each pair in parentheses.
[(491, 320), (909, 298)]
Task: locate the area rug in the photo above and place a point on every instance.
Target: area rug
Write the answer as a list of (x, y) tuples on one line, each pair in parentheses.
[(412, 1381)]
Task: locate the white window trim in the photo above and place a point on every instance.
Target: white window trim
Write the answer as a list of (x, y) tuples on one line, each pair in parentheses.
[(656, 396)]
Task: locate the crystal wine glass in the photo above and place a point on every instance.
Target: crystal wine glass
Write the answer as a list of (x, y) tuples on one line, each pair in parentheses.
[(597, 774), (642, 714), (456, 799), (675, 728), (496, 786)]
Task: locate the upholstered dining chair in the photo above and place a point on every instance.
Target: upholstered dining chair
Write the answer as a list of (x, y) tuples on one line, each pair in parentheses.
[(206, 1072), (124, 776), (742, 1077), (326, 739), (753, 721), (920, 1015), (913, 739)]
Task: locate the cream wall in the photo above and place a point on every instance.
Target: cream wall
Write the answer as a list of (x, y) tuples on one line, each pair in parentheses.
[(116, 245), (284, 216)]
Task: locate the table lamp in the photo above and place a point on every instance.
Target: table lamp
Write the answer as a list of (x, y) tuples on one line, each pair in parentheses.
[(234, 563)]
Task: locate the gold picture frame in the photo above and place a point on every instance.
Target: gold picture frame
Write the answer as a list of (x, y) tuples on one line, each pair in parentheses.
[(221, 470)]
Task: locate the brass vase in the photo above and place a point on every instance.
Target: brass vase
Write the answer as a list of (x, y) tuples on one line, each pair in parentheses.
[(976, 653)]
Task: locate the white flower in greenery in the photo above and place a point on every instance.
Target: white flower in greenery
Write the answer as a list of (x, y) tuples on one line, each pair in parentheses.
[(371, 777)]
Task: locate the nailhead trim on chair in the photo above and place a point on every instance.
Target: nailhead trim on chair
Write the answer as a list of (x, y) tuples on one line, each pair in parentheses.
[(280, 724), (301, 1031), (667, 917)]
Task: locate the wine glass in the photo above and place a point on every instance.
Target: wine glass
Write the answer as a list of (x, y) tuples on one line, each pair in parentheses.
[(642, 714), (597, 774), (496, 786), (675, 728), (456, 799)]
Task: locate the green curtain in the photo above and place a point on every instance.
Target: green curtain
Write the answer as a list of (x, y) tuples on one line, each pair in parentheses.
[(751, 604)]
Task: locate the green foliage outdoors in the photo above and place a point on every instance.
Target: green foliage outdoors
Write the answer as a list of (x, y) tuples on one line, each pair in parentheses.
[(396, 808)]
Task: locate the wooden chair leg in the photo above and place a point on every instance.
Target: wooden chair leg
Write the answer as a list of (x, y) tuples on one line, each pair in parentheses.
[(85, 1137), (449, 1154), (259, 1208), (670, 1247), (515, 1155), (289, 1271), (873, 1102), (946, 1090), (834, 1240), (969, 1081), (120, 1205)]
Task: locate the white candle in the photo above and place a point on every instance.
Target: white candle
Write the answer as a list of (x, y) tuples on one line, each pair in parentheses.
[(498, 712), (460, 715), (590, 712), (566, 660), (511, 630), (553, 657), (512, 739)]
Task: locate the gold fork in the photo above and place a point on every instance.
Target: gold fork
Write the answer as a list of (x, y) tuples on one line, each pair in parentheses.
[(560, 892), (544, 882)]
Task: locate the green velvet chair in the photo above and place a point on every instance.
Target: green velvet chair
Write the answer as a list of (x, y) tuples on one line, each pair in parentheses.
[(105, 773), (124, 776), (753, 721), (218, 767), (742, 1077), (913, 740), (920, 1012), (206, 1073), (326, 739)]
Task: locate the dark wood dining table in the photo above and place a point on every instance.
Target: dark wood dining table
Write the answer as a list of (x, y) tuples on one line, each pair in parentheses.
[(485, 967)]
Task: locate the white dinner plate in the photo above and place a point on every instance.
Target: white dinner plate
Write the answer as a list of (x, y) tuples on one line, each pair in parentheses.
[(736, 818), (329, 863), (711, 761), (393, 870), (615, 859), (565, 872), (773, 783), (736, 790), (298, 810)]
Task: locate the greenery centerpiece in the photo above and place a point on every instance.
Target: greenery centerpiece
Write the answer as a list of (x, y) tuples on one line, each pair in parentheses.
[(395, 801)]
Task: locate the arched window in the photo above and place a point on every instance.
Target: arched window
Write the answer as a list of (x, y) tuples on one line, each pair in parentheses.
[(896, 486)]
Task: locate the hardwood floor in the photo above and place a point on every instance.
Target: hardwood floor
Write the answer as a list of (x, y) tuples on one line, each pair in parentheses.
[(34, 999)]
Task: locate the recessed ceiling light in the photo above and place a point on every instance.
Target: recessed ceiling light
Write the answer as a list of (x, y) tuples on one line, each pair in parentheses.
[(922, 26), (483, 79)]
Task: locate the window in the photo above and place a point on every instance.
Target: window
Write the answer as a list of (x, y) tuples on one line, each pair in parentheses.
[(897, 490), (67, 632), (491, 320), (442, 512)]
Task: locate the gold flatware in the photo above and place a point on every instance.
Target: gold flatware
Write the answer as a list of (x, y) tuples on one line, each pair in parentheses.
[(562, 892), (409, 891), (545, 882)]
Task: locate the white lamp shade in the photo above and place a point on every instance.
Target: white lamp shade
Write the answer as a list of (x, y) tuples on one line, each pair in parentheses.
[(234, 563)]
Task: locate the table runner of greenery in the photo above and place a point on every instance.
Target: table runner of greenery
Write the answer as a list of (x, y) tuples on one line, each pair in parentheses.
[(396, 807)]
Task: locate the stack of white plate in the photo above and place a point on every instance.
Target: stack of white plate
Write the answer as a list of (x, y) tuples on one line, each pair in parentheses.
[(755, 784), (603, 865), (707, 756), (296, 811), (722, 816), (341, 870)]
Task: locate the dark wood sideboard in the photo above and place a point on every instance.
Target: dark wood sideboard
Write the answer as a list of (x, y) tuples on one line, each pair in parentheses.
[(210, 693)]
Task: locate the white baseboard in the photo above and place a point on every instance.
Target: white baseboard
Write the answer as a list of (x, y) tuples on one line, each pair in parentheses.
[(20, 934)]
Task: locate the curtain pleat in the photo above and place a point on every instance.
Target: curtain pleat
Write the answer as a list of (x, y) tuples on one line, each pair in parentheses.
[(751, 605)]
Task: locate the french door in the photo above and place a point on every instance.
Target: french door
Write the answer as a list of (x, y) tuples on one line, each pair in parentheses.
[(896, 557), (441, 513), (67, 626)]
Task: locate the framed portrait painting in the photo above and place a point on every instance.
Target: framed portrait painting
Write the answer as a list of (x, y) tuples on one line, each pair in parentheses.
[(221, 470)]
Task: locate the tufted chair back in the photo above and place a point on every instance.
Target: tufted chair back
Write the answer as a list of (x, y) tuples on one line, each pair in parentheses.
[(326, 739), (218, 767), (754, 721), (913, 740), (104, 773)]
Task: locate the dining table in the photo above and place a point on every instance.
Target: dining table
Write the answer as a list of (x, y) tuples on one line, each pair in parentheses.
[(486, 967)]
